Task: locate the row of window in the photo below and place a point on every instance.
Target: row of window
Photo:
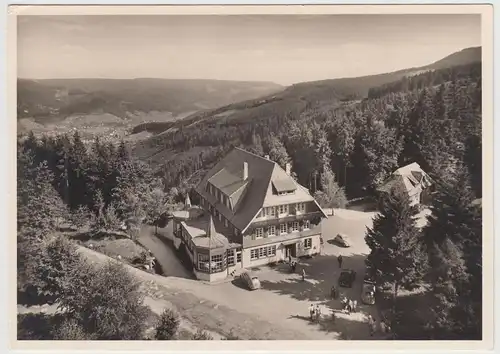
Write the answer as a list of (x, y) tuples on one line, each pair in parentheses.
[(230, 257), (221, 197), (217, 264), (219, 261), (281, 210), (215, 213), (283, 228), (262, 252)]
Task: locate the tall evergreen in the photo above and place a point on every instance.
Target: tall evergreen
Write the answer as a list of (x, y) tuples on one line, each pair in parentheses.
[(396, 256), (453, 236)]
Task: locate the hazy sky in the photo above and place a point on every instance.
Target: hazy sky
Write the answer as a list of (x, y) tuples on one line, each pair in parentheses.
[(282, 49)]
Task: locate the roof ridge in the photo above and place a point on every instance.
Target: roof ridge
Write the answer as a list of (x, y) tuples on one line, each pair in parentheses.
[(255, 155)]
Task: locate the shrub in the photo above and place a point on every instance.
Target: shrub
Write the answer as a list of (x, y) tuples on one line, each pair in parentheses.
[(232, 336), (105, 301), (167, 326), (32, 326), (70, 329), (202, 335), (57, 259)]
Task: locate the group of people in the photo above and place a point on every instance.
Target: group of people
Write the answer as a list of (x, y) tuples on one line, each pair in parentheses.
[(372, 324), (293, 267), (349, 305), (314, 312)]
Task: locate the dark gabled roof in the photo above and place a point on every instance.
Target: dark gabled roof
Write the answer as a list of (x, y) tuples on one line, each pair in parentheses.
[(253, 193), (247, 199), (224, 180)]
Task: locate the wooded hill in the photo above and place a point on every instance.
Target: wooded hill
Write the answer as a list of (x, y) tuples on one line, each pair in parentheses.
[(64, 97), (360, 129)]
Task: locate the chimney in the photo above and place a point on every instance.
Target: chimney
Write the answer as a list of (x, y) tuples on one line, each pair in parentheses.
[(267, 157), (245, 171), (288, 169)]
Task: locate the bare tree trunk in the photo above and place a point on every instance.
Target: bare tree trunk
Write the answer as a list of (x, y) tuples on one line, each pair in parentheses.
[(345, 175), (394, 301)]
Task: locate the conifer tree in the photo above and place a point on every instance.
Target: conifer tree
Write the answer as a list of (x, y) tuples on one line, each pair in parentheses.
[(396, 256), (331, 194), (453, 237)]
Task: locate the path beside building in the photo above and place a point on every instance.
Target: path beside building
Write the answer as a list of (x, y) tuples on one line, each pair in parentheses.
[(280, 309), (164, 254)]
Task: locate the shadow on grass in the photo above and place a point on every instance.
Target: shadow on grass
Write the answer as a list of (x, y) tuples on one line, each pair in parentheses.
[(413, 314), (30, 297), (322, 273), (341, 328), (38, 326)]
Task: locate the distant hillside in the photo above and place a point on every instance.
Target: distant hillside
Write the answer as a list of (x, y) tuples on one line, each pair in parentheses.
[(181, 150), (122, 98), (299, 97), (464, 57)]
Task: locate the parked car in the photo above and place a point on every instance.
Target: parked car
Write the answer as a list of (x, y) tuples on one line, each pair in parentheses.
[(347, 277), (343, 240), (368, 292), (252, 281)]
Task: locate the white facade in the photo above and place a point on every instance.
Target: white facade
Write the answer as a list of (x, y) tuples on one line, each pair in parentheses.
[(301, 249)]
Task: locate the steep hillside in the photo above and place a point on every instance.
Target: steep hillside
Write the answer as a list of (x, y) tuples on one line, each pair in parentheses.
[(183, 149), (299, 97), (64, 97), (463, 57)]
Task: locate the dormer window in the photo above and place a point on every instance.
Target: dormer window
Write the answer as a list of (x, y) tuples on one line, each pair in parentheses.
[(284, 186)]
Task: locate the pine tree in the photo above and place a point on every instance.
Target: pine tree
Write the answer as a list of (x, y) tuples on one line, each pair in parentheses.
[(256, 145), (39, 211), (448, 276), (375, 156), (455, 227), (473, 159), (331, 194), (277, 151), (396, 256), (77, 173)]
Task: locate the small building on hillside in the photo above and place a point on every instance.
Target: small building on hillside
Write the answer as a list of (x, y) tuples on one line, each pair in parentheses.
[(412, 180), (251, 213)]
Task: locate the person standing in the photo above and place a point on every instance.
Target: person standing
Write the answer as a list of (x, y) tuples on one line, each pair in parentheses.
[(349, 307), (339, 259), (311, 311), (303, 274), (354, 305), (318, 313), (382, 327)]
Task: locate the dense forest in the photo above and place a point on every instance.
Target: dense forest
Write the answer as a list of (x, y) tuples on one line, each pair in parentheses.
[(433, 118), (339, 148)]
